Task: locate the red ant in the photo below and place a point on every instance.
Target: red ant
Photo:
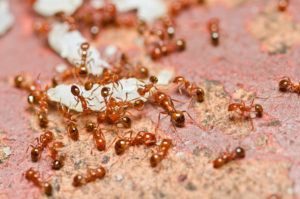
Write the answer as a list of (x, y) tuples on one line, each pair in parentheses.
[(282, 5), (79, 98), (161, 153), (81, 70), (99, 139), (58, 161), (213, 28), (71, 122), (141, 138), (42, 143), (147, 88), (36, 96), (243, 109), (165, 102), (91, 176), (34, 177), (115, 111), (238, 153), (90, 126), (190, 88), (73, 131), (286, 85)]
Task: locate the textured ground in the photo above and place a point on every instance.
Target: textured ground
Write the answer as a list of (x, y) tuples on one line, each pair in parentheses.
[(258, 46)]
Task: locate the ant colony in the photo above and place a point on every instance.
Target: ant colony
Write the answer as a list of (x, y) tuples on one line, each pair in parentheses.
[(104, 91)]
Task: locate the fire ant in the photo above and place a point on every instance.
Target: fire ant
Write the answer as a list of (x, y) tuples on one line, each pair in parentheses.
[(34, 177), (58, 161), (79, 98), (282, 5), (146, 89), (19, 81), (37, 96), (165, 102), (71, 122), (161, 153), (90, 126), (42, 143), (99, 139), (286, 85), (91, 176), (243, 109), (238, 153), (73, 131), (190, 88), (141, 138), (213, 28), (81, 70)]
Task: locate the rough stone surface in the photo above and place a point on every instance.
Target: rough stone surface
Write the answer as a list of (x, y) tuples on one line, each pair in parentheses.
[(243, 66)]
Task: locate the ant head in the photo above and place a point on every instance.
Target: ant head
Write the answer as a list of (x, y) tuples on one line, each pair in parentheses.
[(88, 85), (126, 122), (31, 99), (138, 104), (284, 84), (180, 44), (85, 46), (144, 72), (259, 110), (239, 152), (83, 71), (178, 118), (57, 164), (29, 173), (101, 117), (19, 80), (233, 106), (90, 126), (153, 79), (121, 146), (105, 92), (166, 143), (178, 79), (200, 94), (75, 90), (155, 159)]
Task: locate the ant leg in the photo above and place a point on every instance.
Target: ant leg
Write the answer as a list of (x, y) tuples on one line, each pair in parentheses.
[(92, 93), (158, 121), (191, 102), (192, 119)]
